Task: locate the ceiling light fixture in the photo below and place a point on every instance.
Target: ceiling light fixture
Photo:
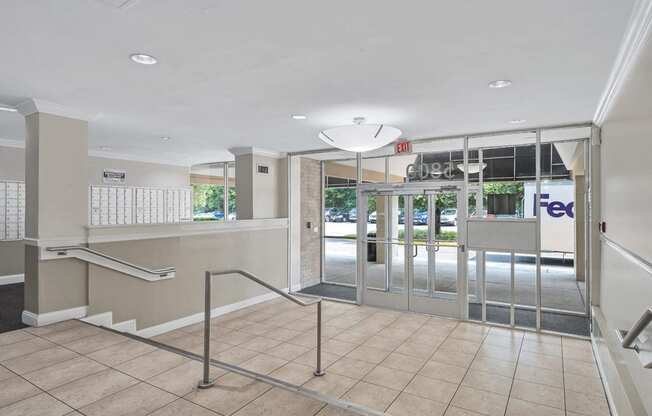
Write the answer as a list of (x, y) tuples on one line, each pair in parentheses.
[(360, 137), (165, 138), (473, 167), (500, 83), (299, 116), (517, 121), (143, 59), (105, 148), (9, 109)]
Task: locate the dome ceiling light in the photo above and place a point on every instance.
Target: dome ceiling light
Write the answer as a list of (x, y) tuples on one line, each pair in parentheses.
[(360, 137), (473, 167)]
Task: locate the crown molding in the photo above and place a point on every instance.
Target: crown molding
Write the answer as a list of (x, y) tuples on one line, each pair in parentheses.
[(131, 158), (248, 150), (635, 38), (34, 105)]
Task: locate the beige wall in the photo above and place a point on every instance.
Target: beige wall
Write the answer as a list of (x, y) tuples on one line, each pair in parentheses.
[(12, 257), (262, 252), (139, 173), (261, 195)]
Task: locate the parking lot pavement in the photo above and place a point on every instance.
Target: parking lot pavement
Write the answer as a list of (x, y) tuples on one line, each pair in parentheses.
[(339, 229)]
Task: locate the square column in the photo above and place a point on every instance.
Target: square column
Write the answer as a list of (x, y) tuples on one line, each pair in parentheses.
[(56, 211)]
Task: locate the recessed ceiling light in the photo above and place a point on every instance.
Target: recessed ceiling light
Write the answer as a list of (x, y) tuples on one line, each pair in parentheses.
[(500, 83), (299, 116), (9, 109), (105, 148), (165, 138), (143, 59), (518, 121)]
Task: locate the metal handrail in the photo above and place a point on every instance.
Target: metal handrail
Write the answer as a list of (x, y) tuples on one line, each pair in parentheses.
[(206, 382), (63, 250), (630, 336), (628, 254)]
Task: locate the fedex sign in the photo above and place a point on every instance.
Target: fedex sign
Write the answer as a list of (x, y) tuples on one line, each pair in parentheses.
[(555, 209), (557, 204)]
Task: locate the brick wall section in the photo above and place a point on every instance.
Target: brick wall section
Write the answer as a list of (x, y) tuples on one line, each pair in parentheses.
[(310, 212)]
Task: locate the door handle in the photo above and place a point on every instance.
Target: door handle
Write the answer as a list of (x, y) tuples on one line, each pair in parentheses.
[(416, 250)]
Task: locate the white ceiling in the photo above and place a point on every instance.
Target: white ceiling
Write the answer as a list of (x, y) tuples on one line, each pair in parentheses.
[(232, 72)]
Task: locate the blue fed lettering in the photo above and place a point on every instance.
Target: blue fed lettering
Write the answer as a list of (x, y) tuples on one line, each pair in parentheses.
[(555, 209)]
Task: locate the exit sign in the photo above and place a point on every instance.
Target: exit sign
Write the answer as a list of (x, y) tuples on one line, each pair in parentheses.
[(403, 147)]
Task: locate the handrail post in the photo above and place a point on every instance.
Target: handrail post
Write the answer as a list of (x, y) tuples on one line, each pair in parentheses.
[(206, 382), (636, 330), (318, 371)]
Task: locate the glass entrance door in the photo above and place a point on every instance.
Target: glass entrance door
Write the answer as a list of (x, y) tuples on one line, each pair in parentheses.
[(415, 258)]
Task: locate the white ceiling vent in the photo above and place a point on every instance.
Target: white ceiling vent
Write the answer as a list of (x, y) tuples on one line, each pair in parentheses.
[(119, 4)]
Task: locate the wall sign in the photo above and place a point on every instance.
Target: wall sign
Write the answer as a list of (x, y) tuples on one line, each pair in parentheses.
[(262, 169), (113, 176), (403, 147)]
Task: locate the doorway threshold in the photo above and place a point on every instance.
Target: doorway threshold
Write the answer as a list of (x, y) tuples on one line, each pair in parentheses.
[(331, 292)]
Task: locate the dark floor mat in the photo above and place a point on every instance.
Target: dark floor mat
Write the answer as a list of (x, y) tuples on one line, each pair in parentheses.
[(551, 321), (11, 307), (331, 291)]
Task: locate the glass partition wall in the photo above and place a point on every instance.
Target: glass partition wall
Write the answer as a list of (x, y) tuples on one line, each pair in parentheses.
[(533, 179)]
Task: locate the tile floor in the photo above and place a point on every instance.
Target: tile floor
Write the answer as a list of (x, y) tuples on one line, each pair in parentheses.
[(392, 362)]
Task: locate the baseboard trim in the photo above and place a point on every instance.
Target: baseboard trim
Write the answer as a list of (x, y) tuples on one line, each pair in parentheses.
[(12, 279), (33, 319), (155, 330)]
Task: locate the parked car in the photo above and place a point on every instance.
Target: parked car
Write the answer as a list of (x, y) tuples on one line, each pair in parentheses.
[(329, 214), (401, 216), (353, 215), (420, 218), (232, 216), (372, 217), (340, 216), (448, 216)]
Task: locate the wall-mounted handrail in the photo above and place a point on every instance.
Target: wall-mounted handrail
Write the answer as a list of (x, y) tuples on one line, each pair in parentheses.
[(164, 272), (630, 336), (206, 382), (628, 254)]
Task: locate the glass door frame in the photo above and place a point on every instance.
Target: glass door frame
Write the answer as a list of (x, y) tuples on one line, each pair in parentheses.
[(434, 302)]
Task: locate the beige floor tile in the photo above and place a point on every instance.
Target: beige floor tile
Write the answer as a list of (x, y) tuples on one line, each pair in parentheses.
[(310, 358), (470, 332), (263, 364), (28, 346), (538, 393), (236, 337), (64, 372), (39, 405), (576, 343), (260, 344), (445, 372), (540, 376), (370, 354), (277, 402), (182, 407), (73, 334), (407, 404), (581, 384), (389, 377), (542, 348), (400, 361), (549, 362), (256, 328), (216, 348), (510, 354), (480, 401), (151, 364), (12, 337), (15, 389), (383, 342), (517, 407), (40, 359), (89, 389), (586, 404), (453, 357), (458, 411), (5, 374), (338, 347), (580, 368), (230, 393), (397, 333), (491, 365), (236, 355), (119, 353), (467, 347), (330, 384), (294, 373), (96, 342), (288, 351), (545, 338), (59, 326), (183, 379), (427, 339), (579, 354), (503, 341), (429, 388), (423, 351), (138, 400), (371, 396), (335, 411), (492, 383), (188, 342), (349, 367)]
